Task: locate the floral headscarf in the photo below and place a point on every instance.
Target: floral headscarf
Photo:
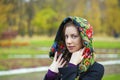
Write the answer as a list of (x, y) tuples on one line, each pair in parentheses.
[(85, 30)]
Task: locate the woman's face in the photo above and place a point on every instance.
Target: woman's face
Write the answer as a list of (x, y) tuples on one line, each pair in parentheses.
[(72, 39)]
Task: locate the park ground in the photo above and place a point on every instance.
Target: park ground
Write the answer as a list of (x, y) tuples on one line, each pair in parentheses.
[(22, 52)]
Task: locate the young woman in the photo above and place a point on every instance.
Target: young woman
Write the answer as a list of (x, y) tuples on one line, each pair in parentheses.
[(73, 54)]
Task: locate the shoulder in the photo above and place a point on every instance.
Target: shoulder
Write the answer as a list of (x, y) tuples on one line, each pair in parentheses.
[(97, 66), (95, 72)]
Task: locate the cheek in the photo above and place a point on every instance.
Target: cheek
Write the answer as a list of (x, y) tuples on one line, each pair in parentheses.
[(79, 44), (65, 42)]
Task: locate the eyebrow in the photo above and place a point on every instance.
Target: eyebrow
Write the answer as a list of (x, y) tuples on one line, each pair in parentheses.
[(73, 34)]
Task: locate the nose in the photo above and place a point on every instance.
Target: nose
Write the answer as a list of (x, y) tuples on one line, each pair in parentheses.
[(68, 40)]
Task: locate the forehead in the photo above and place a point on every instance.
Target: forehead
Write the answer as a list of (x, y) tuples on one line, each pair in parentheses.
[(71, 30)]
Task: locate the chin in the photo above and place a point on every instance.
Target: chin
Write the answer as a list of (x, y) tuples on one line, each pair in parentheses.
[(72, 51)]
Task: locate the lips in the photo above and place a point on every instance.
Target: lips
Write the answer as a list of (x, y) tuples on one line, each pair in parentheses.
[(71, 47)]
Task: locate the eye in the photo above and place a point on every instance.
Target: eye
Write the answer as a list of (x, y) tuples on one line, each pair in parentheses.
[(66, 36), (74, 36)]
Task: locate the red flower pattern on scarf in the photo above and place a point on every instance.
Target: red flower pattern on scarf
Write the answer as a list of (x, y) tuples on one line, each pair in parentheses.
[(86, 52), (89, 32)]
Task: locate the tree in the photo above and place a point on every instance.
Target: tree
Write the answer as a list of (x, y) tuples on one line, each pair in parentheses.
[(45, 20), (112, 16)]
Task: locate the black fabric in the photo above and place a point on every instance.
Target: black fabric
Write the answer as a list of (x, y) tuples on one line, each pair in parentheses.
[(95, 72), (68, 73)]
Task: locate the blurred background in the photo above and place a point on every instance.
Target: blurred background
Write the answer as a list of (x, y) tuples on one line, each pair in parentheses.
[(28, 28)]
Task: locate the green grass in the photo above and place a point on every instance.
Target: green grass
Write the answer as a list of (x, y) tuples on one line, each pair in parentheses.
[(25, 76), (34, 48), (40, 75), (35, 45), (107, 44), (22, 50), (97, 44), (41, 43), (112, 77)]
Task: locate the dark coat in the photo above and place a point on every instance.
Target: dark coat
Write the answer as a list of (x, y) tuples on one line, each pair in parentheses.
[(95, 72)]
